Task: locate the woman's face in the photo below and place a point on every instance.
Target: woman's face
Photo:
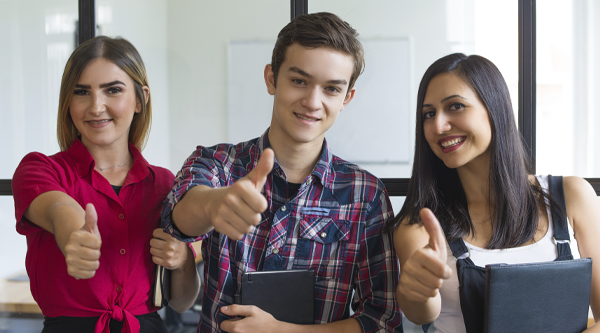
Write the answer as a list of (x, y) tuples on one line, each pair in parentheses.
[(103, 104), (455, 122)]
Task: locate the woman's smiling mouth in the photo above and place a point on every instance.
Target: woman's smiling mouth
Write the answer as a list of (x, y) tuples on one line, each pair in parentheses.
[(449, 144)]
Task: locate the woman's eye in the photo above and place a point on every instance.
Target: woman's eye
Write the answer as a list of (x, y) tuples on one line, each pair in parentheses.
[(428, 114), (114, 90), (80, 92), (456, 106)]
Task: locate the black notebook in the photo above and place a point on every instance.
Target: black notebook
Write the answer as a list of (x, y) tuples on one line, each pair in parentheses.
[(287, 295), (544, 297)]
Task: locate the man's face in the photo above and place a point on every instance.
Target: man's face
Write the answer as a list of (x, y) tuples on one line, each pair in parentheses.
[(312, 89)]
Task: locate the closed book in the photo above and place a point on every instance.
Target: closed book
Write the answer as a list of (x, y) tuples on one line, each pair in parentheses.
[(545, 297), (287, 295), (162, 287)]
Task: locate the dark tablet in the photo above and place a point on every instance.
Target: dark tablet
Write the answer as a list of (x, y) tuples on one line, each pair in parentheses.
[(288, 295)]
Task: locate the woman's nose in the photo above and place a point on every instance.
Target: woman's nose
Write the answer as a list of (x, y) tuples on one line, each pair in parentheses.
[(441, 123), (98, 104)]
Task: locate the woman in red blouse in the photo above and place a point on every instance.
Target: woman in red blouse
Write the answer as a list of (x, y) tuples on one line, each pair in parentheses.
[(91, 212)]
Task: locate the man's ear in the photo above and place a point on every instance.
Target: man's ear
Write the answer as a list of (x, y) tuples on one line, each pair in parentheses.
[(348, 98), (270, 79), (138, 105)]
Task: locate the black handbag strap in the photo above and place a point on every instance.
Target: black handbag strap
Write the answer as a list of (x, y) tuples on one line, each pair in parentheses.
[(559, 223)]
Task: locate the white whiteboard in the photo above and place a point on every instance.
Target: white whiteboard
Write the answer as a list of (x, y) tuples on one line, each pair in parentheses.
[(373, 129)]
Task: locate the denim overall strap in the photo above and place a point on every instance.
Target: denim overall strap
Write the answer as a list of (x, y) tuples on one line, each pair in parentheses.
[(471, 285), (559, 222)]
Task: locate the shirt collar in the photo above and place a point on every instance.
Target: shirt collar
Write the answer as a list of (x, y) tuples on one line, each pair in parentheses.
[(84, 162), (322, 170)]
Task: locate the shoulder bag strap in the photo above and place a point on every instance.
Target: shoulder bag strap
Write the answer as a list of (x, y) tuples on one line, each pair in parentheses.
[(559, 223)]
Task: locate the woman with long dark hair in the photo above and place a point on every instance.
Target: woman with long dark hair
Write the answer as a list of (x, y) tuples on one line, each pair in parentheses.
[(471, 172), (91, 212)]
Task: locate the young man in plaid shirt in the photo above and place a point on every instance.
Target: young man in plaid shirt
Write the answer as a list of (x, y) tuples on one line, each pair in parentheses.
[(284, 201)]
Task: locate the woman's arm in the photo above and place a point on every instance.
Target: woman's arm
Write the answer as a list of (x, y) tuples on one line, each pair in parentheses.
[(75, 230), (421, 250), (583, 210), (176, 256)]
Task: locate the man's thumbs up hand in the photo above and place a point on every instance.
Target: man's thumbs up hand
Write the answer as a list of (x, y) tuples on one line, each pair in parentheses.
[(235, 210), (82, 251)]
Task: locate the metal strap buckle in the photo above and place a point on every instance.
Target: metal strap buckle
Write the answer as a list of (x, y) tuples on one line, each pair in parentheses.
[(464, 255), (561, 241)]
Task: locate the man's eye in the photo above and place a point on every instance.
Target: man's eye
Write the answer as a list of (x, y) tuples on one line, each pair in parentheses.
[(298, 81), (333, 89)]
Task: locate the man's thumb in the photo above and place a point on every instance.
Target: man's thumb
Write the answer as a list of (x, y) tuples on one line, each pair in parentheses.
[(258, 176), (437, 240), (91, 220)]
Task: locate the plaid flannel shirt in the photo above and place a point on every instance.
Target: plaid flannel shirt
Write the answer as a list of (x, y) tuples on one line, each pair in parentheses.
[(333, 225)]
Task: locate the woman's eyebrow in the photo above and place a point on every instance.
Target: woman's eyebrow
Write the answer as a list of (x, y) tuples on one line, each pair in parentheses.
[(445, 99), (104, 85), (452, 96)]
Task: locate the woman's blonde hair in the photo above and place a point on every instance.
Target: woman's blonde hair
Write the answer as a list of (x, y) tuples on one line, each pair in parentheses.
[(123, 54)]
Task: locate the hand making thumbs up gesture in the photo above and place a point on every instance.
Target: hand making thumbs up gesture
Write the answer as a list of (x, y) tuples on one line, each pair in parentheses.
[(82, 251), (424, 271), (235, 210)]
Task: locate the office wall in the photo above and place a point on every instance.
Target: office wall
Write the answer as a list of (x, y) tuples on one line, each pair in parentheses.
[(199, 32)]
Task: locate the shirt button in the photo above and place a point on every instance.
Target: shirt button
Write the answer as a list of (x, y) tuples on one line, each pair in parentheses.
[(275, 250), (121, 216), (119, 288), (283, 209), (323, 234), (122, 251)]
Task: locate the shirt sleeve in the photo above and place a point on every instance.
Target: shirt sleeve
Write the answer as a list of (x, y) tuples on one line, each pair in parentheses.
[(374, 303), (201, 168), (36, 174)]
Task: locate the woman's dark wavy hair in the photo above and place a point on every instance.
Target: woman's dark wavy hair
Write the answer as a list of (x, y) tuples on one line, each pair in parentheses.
[(433, 185)]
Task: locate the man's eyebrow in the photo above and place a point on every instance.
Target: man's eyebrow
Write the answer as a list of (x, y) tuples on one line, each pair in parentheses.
[(445, 99), (303, 73), (299, 71)]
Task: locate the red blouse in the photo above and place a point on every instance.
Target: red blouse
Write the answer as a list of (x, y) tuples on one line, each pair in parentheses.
[(121, 287)]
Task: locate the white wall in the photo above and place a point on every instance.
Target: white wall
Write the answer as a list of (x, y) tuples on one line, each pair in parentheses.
[(199, 32)]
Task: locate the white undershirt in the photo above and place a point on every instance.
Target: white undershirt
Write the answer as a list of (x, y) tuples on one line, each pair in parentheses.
[(450, 318)]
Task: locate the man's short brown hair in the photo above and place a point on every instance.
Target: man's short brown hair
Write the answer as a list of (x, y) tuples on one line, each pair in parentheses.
[(320, 30)]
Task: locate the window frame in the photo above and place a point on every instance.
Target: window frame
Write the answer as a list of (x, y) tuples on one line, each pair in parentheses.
[(399, 186)]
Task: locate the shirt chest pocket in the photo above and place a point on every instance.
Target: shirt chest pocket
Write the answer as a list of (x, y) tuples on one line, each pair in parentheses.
[(322, 246)]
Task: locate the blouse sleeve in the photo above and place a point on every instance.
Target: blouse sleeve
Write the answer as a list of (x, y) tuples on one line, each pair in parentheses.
[(36, 174)]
